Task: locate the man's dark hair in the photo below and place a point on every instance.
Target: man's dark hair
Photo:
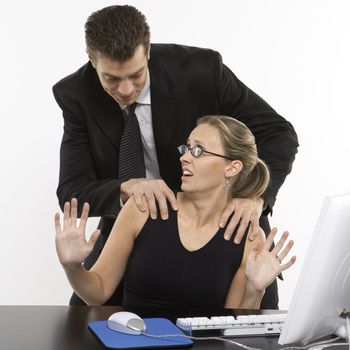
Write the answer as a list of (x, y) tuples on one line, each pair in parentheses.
[(116, 31)]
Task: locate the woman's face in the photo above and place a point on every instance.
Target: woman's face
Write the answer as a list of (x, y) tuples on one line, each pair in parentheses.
[(206, 172)]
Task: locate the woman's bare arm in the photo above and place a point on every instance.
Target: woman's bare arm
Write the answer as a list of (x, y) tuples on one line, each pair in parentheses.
[(237, 289), (98, 284), (258, 269)]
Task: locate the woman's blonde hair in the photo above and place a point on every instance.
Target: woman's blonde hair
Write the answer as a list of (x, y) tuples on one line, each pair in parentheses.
[(239, 144)]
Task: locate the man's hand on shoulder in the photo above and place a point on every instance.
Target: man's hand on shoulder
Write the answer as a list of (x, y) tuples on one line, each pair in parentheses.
[(246, 210), (154, 191)]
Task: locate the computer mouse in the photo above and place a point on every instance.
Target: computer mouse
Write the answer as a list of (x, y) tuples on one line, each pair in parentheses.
[(126, 322)]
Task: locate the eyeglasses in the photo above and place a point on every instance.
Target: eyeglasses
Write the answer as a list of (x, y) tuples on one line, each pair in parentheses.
[(197, 151)]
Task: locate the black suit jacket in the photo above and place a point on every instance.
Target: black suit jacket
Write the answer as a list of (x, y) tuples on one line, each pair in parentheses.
[(186, 83)]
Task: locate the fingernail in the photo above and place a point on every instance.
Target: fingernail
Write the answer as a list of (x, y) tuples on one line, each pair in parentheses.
[(222, 224), (142, 209), (236, 240), (227, 237)]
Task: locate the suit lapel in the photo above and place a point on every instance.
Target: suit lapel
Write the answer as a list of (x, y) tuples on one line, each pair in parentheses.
[(106, 112), (165, 109)]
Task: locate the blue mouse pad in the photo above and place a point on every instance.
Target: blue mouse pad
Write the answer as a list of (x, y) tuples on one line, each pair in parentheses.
[(156, 326)]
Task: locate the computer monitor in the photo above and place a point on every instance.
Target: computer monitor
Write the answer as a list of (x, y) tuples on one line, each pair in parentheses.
[(322, 292)]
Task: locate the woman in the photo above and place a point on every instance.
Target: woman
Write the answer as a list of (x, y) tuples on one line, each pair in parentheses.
[(183, 261)]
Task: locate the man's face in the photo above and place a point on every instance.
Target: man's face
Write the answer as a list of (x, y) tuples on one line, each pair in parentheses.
[(122, 81)]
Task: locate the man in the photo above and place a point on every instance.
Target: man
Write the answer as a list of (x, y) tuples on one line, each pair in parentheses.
[(173, 86)]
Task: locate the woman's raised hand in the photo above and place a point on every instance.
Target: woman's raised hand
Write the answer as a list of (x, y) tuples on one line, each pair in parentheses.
[(263, 265), (71, 245)]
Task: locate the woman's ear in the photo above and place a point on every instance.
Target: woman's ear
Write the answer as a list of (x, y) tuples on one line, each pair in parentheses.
[(233, 168)]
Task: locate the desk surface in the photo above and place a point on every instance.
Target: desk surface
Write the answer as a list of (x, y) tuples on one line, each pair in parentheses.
[(66, 327)]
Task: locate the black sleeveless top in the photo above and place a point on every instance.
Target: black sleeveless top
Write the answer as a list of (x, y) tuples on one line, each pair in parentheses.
[(161, 272)]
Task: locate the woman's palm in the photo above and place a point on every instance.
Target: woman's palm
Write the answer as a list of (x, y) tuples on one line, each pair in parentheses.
[(71, 244)]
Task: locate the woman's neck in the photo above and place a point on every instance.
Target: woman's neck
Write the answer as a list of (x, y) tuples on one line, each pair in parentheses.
[(202, 209)]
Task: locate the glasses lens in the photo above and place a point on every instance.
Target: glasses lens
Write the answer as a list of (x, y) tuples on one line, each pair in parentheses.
[(182, 149), (196, 151)]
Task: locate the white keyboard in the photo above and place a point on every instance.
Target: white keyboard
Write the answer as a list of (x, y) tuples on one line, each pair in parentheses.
[(239, 326)]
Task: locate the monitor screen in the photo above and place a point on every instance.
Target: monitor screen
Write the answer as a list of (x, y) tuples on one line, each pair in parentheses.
[(322, 292)]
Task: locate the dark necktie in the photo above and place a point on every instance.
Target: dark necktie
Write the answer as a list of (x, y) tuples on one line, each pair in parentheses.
[(131, 161)]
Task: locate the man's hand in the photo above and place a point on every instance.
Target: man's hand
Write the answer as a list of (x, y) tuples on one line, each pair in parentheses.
[(151, 190), (246, 210)]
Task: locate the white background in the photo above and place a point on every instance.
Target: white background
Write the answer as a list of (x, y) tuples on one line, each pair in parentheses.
[(295, 54)]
